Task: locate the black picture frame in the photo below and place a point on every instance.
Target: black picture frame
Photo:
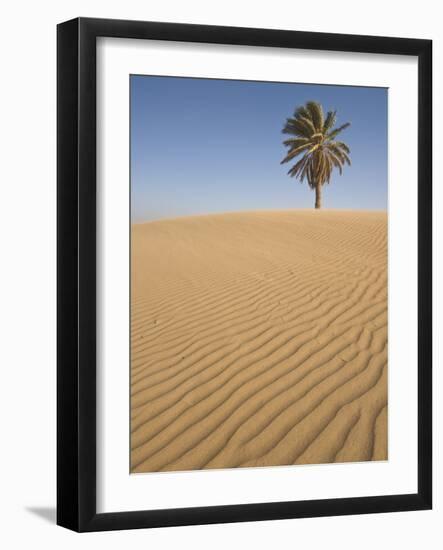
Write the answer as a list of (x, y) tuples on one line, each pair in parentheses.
[(76, 280)]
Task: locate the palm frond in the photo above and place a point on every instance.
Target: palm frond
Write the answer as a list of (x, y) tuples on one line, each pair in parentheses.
[(295, 152), (309, 124), (301, 111), (335, 132), (316, 114), (330, 121), (296, 169), (343, 146), (295, 142), (297, 128), (336, 161), (343, 157)]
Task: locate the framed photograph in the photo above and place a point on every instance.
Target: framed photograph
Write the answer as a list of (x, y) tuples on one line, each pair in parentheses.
[(244, 274)]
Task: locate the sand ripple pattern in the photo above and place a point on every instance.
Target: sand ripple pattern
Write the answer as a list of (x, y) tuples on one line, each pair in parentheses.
[(259, 339)]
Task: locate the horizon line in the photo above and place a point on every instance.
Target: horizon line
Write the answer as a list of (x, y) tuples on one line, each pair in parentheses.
[(222, 213)]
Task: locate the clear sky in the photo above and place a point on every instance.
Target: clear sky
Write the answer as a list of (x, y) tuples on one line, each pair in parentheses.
[(200, 146)]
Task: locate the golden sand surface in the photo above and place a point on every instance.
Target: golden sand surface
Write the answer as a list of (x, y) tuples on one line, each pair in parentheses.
[(259, 339)]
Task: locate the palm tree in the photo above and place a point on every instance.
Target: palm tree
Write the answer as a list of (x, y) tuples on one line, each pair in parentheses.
[(314, 138)]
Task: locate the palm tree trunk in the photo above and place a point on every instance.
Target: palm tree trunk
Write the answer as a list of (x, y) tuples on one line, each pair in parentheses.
[(318, 196)]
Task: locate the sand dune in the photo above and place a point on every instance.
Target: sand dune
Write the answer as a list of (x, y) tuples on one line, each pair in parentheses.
[(259, 339)]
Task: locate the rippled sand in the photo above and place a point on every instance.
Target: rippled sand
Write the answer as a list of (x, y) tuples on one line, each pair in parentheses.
[(259, 339)]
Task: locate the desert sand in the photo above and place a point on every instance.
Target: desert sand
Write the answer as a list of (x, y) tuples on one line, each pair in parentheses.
[(259, 339)]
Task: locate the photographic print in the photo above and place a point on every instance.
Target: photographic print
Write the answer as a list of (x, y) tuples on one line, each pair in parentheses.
[(258, 269), (224, 201)]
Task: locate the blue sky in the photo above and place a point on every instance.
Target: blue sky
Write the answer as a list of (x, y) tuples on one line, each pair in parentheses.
[(200, 146)]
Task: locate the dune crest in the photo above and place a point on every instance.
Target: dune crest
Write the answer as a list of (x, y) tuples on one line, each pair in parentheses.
[(259, 339)]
